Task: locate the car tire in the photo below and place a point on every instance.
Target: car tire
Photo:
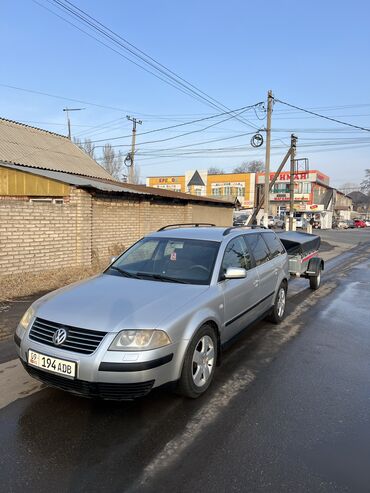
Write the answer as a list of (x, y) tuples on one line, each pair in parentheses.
[(199, 363), (278, 310), (315, 281)]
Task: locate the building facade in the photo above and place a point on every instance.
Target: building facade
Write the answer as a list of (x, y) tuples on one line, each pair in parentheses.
[(310, 188), (313, 196), (227, 186)]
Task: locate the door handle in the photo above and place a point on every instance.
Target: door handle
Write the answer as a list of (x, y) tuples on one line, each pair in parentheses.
[(276, 271), (256, 283)]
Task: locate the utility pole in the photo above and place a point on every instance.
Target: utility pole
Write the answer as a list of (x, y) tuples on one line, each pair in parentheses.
[(267, 159), (293, 143), (131, 173), (67, 110)]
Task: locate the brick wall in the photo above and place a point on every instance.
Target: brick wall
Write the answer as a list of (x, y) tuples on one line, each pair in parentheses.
[(117, 223), (86, 230), (36, 236)]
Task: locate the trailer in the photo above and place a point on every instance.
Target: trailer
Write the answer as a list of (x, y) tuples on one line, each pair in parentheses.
[(303, 253)]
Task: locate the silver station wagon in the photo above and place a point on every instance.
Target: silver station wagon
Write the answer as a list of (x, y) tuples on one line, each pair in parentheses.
[(160, 313)]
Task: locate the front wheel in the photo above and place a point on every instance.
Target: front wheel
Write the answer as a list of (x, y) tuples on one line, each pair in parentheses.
[(199, 364), (315, 281), (278, 310)]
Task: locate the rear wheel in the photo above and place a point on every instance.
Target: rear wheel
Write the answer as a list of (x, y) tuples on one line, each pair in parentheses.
[(278, 310), (199, 364), (315, 281)]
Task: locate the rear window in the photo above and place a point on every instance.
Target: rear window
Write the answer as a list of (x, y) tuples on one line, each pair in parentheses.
[(274, 244)]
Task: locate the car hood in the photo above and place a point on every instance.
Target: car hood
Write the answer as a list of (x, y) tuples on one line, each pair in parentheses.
[(111, 303)]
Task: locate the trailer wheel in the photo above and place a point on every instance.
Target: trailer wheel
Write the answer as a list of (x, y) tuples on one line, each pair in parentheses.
[(315, 281)]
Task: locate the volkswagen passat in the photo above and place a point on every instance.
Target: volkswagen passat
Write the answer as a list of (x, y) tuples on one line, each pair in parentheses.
[(160, 313)]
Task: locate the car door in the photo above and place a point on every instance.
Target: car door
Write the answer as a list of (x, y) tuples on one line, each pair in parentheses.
[(240, 295), (267, 272)]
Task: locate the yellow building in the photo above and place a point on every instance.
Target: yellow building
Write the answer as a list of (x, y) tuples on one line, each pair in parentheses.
[(230, 186)]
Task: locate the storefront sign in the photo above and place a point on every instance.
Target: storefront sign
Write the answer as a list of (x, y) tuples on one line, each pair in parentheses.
[(168, 179), (283, 197)]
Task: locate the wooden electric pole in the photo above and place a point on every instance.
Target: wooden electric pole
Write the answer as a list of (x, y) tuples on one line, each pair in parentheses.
[(293, 143), (267, 159), (131, 173)]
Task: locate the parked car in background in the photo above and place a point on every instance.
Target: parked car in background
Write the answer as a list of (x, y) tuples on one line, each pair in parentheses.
[(278, 222), (160, 313), (367, 222), (301, 222), (273, 222), (342, 224), (241, 220), (351, 223), (359, 223)]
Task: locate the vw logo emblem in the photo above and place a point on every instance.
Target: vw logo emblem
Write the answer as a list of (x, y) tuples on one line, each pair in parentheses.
[(59, 336)]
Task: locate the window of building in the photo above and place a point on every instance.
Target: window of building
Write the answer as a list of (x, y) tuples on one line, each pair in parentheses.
[(47, 200), (258, 248)]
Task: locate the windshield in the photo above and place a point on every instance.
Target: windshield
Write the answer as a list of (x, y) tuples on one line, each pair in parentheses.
[(168, 260)]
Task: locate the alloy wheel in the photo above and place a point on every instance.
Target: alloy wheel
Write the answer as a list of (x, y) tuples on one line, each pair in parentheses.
[(203, 361), (281, 303)]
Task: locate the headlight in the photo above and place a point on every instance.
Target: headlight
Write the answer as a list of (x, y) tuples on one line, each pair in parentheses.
[(27, 317), (142, 339), (25, 321)]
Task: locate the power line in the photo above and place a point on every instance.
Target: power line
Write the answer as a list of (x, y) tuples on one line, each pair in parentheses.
[(104, 44), (32, 91), (237, 111), (323, 116), (96, 25)]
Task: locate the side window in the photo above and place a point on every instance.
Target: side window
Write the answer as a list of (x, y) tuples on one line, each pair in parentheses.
[(274, 244), (258, 248), (236, 255)]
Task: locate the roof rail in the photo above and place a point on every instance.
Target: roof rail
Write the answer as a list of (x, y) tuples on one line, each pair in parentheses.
[(195, 225), (254, 226)]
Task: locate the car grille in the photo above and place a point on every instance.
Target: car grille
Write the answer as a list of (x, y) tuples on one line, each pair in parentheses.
[(102, 390), (83, 341)]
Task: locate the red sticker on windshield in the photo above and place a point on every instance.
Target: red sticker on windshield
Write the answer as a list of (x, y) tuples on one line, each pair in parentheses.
[(173, 256)]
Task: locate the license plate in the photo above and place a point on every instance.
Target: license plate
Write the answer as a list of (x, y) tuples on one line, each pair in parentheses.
[(54, 365)]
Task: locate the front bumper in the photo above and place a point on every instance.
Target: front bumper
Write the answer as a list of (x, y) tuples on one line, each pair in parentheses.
[(108, 374)]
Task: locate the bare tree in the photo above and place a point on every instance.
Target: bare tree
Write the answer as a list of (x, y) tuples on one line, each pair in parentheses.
[(250, 167), (213, 170), (113, 163), (87, 146), (365, 184), (349, 187)]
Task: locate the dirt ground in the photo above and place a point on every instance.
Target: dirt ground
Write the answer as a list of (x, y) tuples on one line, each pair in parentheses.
[(26, 284)]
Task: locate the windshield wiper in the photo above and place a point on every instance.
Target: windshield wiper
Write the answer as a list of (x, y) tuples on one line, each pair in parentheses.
[(160, 277), (124, 272)]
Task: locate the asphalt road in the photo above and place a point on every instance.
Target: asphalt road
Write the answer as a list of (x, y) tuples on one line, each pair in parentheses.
[(288, 411)]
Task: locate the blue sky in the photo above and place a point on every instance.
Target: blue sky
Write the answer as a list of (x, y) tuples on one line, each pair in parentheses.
[(311, 54)]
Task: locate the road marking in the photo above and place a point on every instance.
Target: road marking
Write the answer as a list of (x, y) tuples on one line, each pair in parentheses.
[(15, 383)]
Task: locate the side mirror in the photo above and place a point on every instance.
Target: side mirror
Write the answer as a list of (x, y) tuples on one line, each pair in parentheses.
[(113, 259), (235, 273)]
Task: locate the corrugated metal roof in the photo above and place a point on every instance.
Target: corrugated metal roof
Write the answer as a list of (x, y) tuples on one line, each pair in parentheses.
[(29, 146), (109, 185)]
